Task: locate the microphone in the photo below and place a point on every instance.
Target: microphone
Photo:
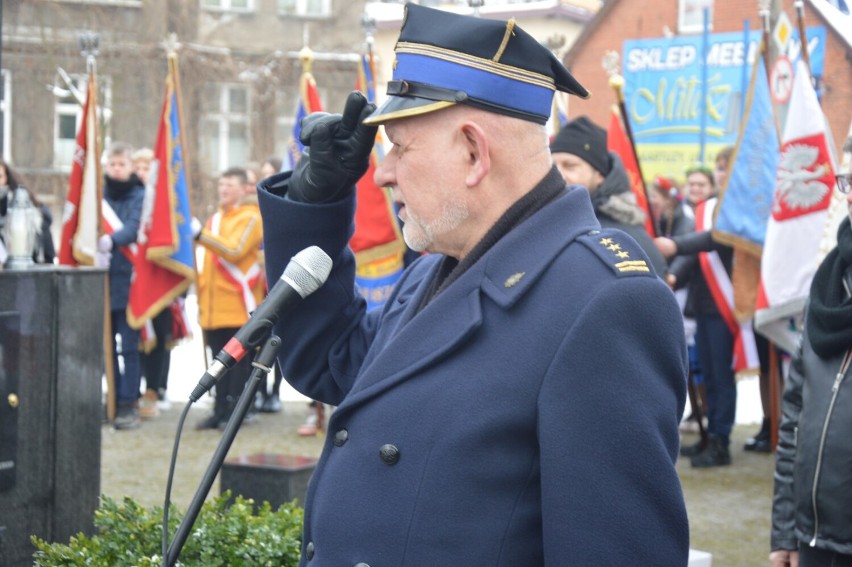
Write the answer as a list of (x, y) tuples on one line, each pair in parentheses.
[(304, 274)]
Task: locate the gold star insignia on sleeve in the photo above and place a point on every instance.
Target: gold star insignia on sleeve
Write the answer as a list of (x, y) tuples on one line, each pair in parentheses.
[(623, 262)]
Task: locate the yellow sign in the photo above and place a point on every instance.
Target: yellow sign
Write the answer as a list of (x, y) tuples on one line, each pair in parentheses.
[(782, 32)]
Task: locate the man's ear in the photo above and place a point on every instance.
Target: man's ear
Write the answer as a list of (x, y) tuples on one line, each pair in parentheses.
[(478, 153)]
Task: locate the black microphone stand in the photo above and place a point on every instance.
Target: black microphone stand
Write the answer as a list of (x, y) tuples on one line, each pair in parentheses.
[(262, 365)]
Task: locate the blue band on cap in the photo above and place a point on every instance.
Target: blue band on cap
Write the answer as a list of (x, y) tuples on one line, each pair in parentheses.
[(477, 83)]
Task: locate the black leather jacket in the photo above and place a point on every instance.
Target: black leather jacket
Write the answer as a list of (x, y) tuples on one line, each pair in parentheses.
[(813, 472)]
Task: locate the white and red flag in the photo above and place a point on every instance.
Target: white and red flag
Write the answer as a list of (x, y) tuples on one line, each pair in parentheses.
[(799, 232), (81, 214)]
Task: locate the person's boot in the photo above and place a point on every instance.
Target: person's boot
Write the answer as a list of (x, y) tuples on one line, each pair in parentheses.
[(218, 419), (126, 417), (694, 449), (715, 454), (148, 405), (762, 442), (272, 404)]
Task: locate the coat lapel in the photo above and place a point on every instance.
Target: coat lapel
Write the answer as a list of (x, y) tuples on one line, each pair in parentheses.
[(421, 338), (503, 275)]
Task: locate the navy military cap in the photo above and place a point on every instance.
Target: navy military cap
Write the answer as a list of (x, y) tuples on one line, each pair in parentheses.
[(443, 59)]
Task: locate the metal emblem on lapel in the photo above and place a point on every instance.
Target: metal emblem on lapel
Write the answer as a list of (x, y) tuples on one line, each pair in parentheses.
[(513, 279)]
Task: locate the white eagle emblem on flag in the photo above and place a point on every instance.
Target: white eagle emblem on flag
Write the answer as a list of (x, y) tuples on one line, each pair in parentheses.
[(802, 185)]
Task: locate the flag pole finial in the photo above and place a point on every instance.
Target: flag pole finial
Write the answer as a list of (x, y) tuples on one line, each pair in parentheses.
[(610, 63), (171, 44), (306, 56), (368, 26), (89, 43)]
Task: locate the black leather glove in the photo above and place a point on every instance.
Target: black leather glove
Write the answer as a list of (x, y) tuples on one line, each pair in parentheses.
[(339, 153)]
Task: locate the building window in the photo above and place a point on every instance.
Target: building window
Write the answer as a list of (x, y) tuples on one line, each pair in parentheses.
[(228, 5), (690, 15), (309, 8), (69, 112), (225, 127), (5, 113), (285, 111)]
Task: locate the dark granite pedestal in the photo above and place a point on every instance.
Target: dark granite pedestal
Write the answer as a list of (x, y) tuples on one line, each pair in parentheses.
[(51, 367), (268, 477)]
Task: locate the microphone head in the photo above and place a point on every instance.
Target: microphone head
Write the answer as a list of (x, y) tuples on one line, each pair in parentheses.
[(307, 270)]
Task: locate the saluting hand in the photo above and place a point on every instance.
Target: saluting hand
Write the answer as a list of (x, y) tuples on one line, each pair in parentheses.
[(339, 154)]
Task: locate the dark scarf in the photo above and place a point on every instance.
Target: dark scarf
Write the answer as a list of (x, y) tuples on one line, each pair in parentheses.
[(829, 321), (117, 190), (451, 269)]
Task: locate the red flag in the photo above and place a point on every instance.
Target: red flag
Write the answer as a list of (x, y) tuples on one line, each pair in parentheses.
[(81, 215), (618, 142), (309, 101), (377, 241), (164, 266)]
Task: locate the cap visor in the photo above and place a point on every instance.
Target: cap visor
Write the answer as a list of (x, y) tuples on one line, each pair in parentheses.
[(396, 107)]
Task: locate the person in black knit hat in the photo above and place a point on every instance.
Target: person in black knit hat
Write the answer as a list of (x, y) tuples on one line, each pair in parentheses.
[(580, 153)]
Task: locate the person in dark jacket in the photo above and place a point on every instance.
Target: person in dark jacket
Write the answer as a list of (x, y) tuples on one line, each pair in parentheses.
[(580, 153), (812, 504), (122, 210), (713, 337), (674, 218), (468, 424)]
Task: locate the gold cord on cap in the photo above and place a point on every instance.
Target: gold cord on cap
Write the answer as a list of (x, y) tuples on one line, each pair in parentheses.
[(510, 26)]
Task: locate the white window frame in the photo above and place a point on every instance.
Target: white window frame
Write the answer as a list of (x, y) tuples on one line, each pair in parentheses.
[(227, 6), (690, 17), (63, 150), (301, 10), (6, 111), (224, 118), (120, 3)]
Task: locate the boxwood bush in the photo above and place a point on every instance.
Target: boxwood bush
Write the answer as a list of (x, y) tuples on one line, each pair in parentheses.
[(129, 534)]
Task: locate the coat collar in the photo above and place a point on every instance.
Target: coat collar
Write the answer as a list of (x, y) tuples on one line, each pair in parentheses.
[(413, 340)]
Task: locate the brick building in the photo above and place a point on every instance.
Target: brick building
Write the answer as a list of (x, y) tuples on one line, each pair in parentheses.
[(239, 66), (620, 20), (239, 70)]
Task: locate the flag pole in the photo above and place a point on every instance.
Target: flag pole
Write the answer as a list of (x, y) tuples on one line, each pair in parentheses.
[(803, 36), (763, 12), (705, 40), (172, 44), (88, 42), (775, 377), (616, 82)]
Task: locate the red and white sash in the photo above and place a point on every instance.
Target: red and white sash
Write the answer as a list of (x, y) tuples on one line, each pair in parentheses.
[(113, 224), (722, 290), (242, 281)]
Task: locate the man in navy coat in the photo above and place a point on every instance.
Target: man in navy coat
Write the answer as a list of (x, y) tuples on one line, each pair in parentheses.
[(516, 401)]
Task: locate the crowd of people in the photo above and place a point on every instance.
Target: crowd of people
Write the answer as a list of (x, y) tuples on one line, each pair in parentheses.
[(536, 302)]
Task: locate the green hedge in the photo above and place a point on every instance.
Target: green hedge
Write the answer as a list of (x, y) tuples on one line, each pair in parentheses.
[(130, 535)]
